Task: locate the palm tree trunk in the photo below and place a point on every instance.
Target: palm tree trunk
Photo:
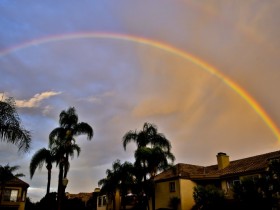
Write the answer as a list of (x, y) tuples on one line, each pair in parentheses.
[(153, 199), (49, 182), (60, 187), (49, 168), (66, 165), (145, 181)]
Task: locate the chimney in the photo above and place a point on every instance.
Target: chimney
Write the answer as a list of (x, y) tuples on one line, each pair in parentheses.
[(223, 160)]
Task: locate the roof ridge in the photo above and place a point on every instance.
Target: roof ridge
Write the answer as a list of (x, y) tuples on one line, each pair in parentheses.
[(257, 156)]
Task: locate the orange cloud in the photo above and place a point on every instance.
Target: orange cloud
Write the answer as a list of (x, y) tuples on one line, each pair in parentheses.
[(36, 99)]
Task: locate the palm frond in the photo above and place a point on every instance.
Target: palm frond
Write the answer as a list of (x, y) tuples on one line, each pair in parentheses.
[(42, 156), (84, 128)]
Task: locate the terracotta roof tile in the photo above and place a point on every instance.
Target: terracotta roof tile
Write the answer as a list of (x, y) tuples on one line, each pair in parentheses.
[(236, 167), (16, 182)]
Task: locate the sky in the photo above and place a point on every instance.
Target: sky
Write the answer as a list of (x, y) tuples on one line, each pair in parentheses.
[(205, 72)]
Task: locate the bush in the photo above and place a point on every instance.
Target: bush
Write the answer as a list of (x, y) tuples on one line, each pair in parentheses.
[(209, 197)]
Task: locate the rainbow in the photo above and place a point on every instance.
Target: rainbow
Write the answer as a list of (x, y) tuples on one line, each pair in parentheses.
[(162, 46)]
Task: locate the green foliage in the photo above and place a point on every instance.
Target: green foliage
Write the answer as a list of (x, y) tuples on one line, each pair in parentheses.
[(7, 173), (48, 202), (62, 138), (152, 155), (74, 204), (247, 190), (260, 192), (42, 156), (11, 129), (29, 205), (208, 197), (62, 142), (119, 177)]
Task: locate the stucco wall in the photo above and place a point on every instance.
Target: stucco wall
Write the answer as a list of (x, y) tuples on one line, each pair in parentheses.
[(186, 195), (183, 190), (163, 194)]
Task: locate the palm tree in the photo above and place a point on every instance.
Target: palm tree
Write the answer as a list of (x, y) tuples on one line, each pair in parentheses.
[(148, 138), (109, 186), (120, 177), (42, 156), (149, 135), (152, 153), (6, 174), (63, 139), (156, 160), (59, 148), (11, 130), (69, 128)]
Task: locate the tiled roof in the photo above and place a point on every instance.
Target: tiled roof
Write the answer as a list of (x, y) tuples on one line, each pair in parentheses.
[(237, 167), (16, 182), (82, 195)]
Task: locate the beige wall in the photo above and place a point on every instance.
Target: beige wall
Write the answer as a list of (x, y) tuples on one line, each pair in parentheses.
[(187, 200), (163, 195), (183, 190)]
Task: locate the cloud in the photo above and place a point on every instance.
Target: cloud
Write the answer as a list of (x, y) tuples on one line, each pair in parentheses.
[(36, 99), (98, 99)]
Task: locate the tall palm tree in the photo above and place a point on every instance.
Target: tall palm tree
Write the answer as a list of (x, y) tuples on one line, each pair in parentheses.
[(156, 160), (59, 148), (109, 186), (6, 174), (120, 177), (42, 156), (148, 138), (63, 138), (68, 129), (11, 130), (152, 153), (149, 135)]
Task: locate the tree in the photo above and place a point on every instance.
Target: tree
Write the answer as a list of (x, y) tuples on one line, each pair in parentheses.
[(149, 135), (148, 138), (11, 130), (68, 129), (120, 177), (260, 191), (6, 174), (42, 156), (152, 154), (208, 197), (62, 138)]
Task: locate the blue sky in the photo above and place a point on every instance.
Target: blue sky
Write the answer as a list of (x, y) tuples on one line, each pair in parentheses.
[(117, 85)]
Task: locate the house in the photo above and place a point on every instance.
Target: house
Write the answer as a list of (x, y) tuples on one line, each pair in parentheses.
[(83, 196), (14, 196), (103, 203), (180, 180)]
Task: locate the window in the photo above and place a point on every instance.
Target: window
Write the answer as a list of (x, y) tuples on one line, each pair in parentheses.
[(104, 200), (100, 201), (172, 187), (23, 196), (10, 195)]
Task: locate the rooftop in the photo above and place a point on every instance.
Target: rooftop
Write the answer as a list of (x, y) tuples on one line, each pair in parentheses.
[(243, 166), (16, 182)]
